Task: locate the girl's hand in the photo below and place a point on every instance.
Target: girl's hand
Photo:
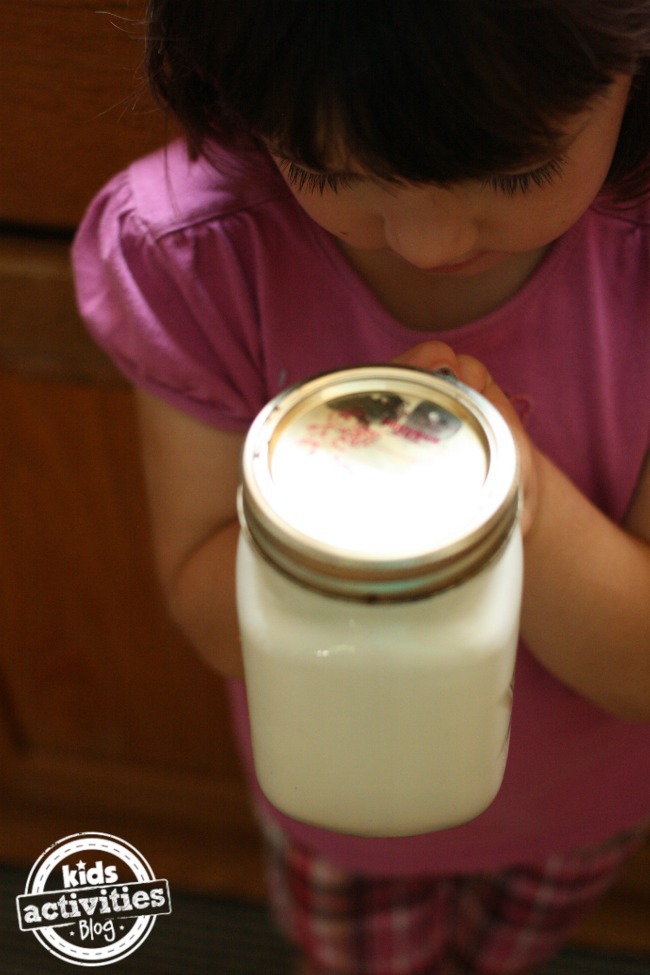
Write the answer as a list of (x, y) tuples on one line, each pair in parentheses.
[(434, 355), (585, 610)]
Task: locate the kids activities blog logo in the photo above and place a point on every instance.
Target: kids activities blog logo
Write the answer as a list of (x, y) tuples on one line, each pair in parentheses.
[(91, 899)]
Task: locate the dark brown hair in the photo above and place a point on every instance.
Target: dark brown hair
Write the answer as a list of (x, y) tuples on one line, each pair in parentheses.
[(422, 90)]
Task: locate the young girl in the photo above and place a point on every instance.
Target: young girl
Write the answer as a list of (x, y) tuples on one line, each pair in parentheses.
[(445, 184)]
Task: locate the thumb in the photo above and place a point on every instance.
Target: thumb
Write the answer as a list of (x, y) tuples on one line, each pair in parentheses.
[(430, 355)]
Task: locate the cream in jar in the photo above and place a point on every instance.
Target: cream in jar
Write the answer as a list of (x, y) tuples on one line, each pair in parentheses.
[(379, 582)]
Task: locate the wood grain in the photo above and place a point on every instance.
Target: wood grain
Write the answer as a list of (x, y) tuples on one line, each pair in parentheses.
[(74, 107), (40, 331)]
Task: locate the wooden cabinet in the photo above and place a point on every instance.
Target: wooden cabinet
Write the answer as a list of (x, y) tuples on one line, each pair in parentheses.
[(74, 106), (107, 718)]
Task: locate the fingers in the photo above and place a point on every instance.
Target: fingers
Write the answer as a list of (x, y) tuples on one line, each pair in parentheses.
[(434, 355), (430, 355), (473, 373)]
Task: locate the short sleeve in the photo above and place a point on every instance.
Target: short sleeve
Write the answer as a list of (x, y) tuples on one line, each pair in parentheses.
[(171, 306)]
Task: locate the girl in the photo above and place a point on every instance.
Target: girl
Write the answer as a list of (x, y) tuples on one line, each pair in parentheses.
[(450, 185)]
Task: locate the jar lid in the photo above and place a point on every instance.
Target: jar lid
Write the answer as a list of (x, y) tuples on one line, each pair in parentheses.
[(379, 482)]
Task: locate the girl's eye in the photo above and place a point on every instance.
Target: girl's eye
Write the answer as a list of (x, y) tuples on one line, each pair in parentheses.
[(507, 183), (513, 183), (303, 179)]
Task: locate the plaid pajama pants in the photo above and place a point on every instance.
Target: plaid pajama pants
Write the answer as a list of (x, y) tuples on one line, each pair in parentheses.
[(492, 924)]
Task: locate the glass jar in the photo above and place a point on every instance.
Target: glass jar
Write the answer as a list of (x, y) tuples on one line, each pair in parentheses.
[(379, 578)]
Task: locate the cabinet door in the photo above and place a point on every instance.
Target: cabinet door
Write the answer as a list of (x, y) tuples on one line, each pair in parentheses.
[(108, 720), (74, 107)]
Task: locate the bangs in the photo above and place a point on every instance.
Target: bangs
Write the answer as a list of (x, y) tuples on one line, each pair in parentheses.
[(420, 91), (439, 106)]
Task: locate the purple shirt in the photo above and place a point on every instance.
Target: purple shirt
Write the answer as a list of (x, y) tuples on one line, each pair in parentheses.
[(213, 290)]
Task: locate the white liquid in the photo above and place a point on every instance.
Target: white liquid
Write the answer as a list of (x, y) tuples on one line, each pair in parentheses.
[(385, 719)]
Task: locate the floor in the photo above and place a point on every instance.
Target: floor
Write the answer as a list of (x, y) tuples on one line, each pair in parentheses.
[(216, 936), (622, 919)]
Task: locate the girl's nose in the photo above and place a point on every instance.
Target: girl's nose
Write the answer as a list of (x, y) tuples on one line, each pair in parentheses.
[(429, 227)]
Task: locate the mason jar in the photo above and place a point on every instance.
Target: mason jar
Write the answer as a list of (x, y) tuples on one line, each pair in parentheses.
[(379, 578)]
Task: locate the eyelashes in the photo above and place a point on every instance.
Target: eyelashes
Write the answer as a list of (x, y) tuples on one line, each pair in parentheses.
[(303, 179), (509, 184), (512, 183)]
